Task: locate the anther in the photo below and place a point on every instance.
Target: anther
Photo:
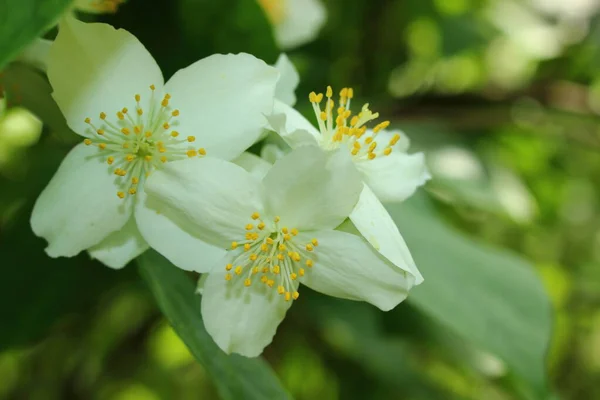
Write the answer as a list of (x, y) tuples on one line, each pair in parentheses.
[(247, 247), (309, 263), (293, 276), (102, 115), (87, 142), (387, 151), (191, 139), (247, 282), (261, 226), (234, 245), (137, 98), (166, 126), (301, 272), (315, 242), (372, 156), (110, 160), (249, 227), (280, 289), (125, 131), (121, 195), (102, 146), (175, 113), (174, 134), (238, 270), (227, 276), (191, 153), (288, 296), (132, 191), (87, 120), (394, 139), (202, 151), (152, 87), (309, 247), (100, 131), (277, 219)]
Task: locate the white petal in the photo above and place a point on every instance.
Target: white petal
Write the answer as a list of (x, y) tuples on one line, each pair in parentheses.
[(346, 266), (180, 247), (257, 166), (288, 80), (79, 207), (223, 100), (271, 153), (120, 247), (375, 224), (240, 319), (212, 199), (311, 189), (95, 68), (292, 126), (301, 23)]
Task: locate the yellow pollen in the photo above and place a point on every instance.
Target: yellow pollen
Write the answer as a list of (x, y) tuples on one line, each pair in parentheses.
[(87, 142), (148, 157), (312, 97), (280, 289), (387, 151), (126, 145), (129, 157), (372, 156), (284, 230), (162, 150), (125, 131), (102, 115), (315, 242), (132, 191), (120, 115), (301, 272), (270, 283), (238, 270), (110, 160), (249, 227), (202, 151), (168, 96), (165, 102), (269, 241), (227, 276), (344, 92), (175, 113), (288, 296), (191, 139), (264, 279), (102, 146), (394, 139), (309, 263), (255, 270), (247, 247), (100, 131), (253, 257), (87, 120), (121, 195), (191, 153), (354, 120), (265, 270), (323, 116), (280, 257), (309, 247), (234, 245), (137, 130), (124, 110), (368, 140), (293, 276), (148, 134), (372, 146), (174, 134), (282, 247), (329, 92), (277, 219), (228, 267), (163, 159), (295, 295), (350, 93), (152, 87), (137, 98), (381, 126), (276, 269), (264, 247), (287, 237), (294, 231), (354, 151), (166, 126), (135, 180), (261, 226), (140, 111), (247, 282), (255, 215)]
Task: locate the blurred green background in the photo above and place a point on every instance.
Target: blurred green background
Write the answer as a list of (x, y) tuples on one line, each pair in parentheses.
[(504, 98)]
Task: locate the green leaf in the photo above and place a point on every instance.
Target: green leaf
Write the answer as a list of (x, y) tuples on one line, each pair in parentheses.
[(236, 377), (489, 296), (21, 21)]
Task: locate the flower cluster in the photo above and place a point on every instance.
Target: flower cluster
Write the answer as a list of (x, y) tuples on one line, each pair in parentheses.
[(163, 165)]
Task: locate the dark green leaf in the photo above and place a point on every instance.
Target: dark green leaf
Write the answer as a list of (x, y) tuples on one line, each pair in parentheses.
[(488, 296), (21, 21), (236, 377)]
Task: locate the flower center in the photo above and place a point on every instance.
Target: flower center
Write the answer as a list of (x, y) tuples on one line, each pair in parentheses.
[(275, 10), (136, 144), (272, 255), (348, 129)]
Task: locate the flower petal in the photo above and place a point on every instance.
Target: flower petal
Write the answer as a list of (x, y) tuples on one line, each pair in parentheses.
[(180, 247), (257, 166), (397, 176), (373, 222), (346, 266), (210, 198), (240, 319), (120, 247), (223, 100), (302, 21), (311, 189), (95, 68), (288, 80), (79, 207), (36, 54), (292, 126)]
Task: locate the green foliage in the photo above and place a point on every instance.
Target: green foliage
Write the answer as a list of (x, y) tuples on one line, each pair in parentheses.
[(235, 376), (21, 21), (489, 296)]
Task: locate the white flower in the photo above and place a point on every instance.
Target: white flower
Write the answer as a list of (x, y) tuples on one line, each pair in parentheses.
[(280, 232), (389, 173), (295, 22), (288, 80), (111, 92)]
